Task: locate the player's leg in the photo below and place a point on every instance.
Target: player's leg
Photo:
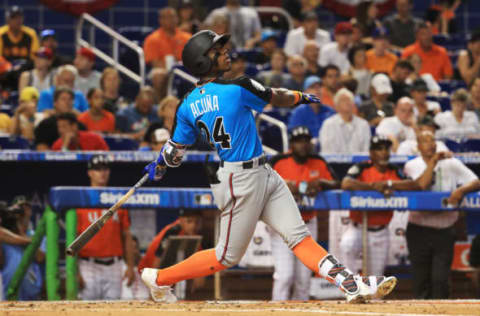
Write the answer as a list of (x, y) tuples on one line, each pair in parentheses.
[(283, 275), (303, 275), (351, 247), (420, 254), (378, 247), (91, 280), (442, 258), (282, 214), (112, 285)]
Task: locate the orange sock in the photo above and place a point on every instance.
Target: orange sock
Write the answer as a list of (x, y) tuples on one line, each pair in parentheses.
[(199, 264), (310, 253)]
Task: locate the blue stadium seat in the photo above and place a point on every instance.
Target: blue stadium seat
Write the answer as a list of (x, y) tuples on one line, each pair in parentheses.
[(454, 146), (120, 143), (14, 142), (471, 145), (444, 102), (451, 85)]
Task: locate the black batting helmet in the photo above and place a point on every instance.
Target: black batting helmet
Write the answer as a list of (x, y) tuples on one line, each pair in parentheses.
[(194, 55)]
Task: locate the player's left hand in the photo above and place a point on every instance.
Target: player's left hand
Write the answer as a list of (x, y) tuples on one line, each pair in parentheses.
[(129, 275)]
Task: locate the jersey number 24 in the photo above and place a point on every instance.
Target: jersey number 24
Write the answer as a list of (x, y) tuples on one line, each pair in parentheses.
[(220, 136)]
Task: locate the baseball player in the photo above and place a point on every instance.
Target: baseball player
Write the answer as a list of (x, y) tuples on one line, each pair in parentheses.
[(247, 189), (305, 174), (376, 174)]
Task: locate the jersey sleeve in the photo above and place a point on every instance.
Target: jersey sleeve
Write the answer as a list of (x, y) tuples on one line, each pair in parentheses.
[(184, 132), (254, 95)]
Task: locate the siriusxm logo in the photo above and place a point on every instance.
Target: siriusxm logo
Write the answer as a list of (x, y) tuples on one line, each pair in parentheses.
[(378, 203), (138, 198)]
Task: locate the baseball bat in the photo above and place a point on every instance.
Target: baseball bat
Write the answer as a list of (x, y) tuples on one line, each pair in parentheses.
[(94, 228)]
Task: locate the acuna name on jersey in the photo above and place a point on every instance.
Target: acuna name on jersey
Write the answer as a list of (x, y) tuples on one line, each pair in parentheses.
[(205, 104), (139, 198)]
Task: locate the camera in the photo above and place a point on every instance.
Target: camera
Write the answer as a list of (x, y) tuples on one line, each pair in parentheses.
[(9, 215)]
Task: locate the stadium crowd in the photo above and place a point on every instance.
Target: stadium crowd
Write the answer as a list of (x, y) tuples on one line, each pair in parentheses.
[(383, 76)]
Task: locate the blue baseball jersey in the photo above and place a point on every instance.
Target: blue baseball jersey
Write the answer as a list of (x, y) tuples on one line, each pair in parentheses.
[(221, 110)]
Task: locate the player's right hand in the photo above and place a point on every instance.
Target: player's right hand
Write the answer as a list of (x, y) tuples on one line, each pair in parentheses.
[(155, 170)]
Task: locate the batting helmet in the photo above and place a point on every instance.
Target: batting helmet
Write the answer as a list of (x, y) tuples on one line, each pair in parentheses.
[(194, 55)]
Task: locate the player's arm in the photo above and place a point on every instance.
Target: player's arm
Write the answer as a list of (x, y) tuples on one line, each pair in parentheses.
[(425, 180), (352, 184), (286, 98)]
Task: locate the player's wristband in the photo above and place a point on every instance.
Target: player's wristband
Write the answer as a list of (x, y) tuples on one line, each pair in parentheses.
[(298, 97)]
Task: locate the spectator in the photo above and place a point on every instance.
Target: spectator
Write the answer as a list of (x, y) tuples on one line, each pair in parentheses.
[(239, 65), (26, 117), (416, 62), (187, 20), (276, 77), (398, 79), (100, 260), (137, 290), (5, 123), (446, 15), (310, 53), (135, 119), (366, 17), (309, 31), (376, 174), (305, 174), (268, 45), (379, 59), (475, 97), (48, 39), (96, 119), (310, 115), (336, 53), (164, 47), (219, 24), (401, 126), (297, 67), (166, 111), (423, 107), (378, 107), (244, 23), (358, 36), (409, 147), (73, 139), (431, 235), (330, 84), (155, 138), (18, 42), (65, 77), (401, 26), (41, 76), (87, 77), (469, 59), (46, 133), (344, 132), (358, 69), (458, 122), (110, 83), (435, 60)]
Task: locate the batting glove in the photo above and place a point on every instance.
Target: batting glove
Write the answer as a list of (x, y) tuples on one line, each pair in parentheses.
[(306, 98), (156, 169)]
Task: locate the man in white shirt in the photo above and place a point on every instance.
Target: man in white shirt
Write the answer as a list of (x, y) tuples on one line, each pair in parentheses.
[(297, 38), (431, 235), (336, 53), (458, 122), (344, 132), (399, 127), (87, 78), (409, 147)]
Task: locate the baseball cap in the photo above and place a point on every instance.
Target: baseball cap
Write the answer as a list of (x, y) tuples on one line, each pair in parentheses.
[(343, 28), (86, 52), (378, 141), (29, 94), (299, 131), (47, 33), (419, 85), (428, 120), (98, 162), (381, 84), (310, 81), (161, 135), (14, 11), (44, 52), (268, 34), (380, 32), (234, 56)]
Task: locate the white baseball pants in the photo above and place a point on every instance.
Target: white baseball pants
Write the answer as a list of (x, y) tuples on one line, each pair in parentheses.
[(102, 282)]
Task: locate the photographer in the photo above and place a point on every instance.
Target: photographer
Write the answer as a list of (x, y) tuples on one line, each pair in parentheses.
[(13, 237)]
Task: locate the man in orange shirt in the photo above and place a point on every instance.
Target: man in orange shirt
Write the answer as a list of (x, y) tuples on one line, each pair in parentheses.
[(376, 174), (330, 84), (435, 60), (100, 261), (379, 59), (96, 119), (305, 174), (163, 47)]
